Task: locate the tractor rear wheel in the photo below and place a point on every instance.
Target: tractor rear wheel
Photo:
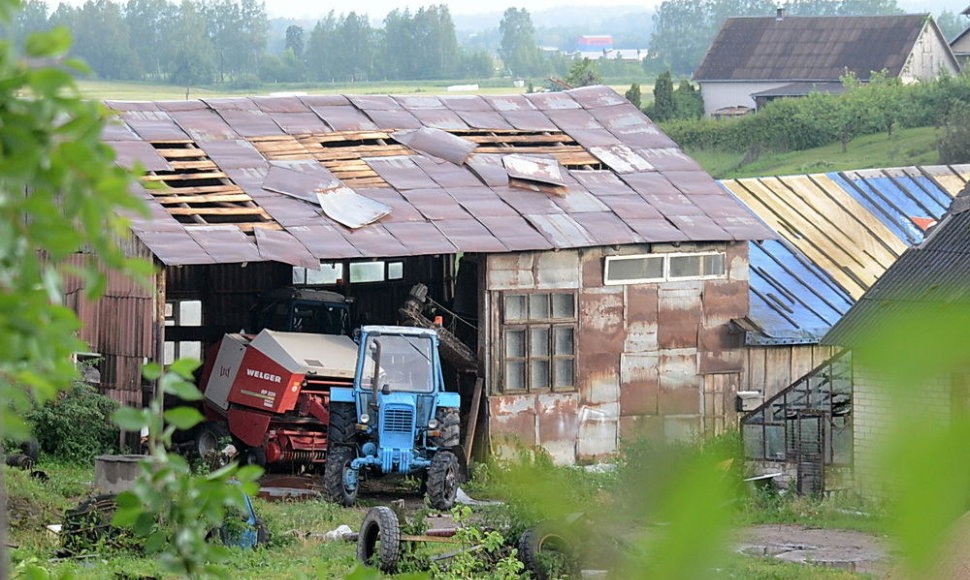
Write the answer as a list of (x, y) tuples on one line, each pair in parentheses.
[(335, 476), (449, 424), (379, 540), (547, 553), (343, 416), (442, 480)]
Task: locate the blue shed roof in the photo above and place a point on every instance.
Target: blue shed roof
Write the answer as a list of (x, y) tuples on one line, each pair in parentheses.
[(839, 232)]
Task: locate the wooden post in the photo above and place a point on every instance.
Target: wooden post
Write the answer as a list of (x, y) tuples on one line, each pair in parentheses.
[(473, 413)]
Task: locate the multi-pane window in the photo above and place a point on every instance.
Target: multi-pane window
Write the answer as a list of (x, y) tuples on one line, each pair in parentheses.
[(539, 341), (660, 267), (358, 272), (183, 313)]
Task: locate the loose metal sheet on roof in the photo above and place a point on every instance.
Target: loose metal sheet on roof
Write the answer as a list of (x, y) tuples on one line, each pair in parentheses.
[(437, 143), (343, 205)]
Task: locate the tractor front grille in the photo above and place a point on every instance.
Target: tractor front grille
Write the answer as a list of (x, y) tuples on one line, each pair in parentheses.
[(398, 420)]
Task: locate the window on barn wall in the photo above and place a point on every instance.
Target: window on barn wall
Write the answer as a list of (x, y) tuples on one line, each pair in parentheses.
[(641, 268), (356, 273), (183, 313), (539, 341)]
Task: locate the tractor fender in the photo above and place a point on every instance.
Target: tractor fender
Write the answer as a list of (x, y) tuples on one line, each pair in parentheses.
[(448, 399), (341, 395)]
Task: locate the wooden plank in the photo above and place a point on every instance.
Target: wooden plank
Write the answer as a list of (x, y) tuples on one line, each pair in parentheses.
[(222, 188), (180, 153), (211, 198), (186, 176), (777, 370), (473, 412), (200, 164), (248, 227), (216, 211)]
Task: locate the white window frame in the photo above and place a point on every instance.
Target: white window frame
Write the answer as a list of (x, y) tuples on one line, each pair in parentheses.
[(665, 277)]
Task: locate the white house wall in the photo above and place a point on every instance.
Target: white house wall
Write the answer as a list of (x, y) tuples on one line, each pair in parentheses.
[(930, 58), (718, 95)]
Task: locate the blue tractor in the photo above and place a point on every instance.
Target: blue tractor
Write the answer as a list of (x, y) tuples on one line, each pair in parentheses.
[(397, 418)]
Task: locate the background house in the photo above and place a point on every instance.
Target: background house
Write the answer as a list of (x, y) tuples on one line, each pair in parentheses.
[(753, 60), (929, 286), (595, 267), (960, 46)]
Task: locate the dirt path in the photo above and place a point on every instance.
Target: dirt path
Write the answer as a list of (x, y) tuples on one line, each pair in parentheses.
[(843, 549)]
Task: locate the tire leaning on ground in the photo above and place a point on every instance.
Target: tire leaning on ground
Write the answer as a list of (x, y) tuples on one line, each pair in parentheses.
[(209, 440), (442, 480), (338, 462), (546, 553), (379, 540)]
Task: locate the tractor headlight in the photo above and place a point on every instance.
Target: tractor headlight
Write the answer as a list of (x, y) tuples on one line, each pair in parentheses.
[(364, 418), (433, 423)]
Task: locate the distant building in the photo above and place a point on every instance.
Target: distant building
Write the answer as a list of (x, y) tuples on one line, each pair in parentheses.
[(754, 60), (594, 43)]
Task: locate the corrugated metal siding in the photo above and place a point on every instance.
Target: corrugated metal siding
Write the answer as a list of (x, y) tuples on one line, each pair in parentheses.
[(642, 354), (840, 232)]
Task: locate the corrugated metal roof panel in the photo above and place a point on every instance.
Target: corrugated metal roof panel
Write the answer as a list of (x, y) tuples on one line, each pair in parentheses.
[(401, 172), (281, 246), (326, 100), (226, 244), (437, 143), (602, 183), (130, 152), (561, 229), (528, 202), (300, 179), (445, 174), (435, 204), (280, 105), (515, 233), (484, 120), (489, 169), (394, 119), (470, 235), (374, 102), (529, 120), (222, 104), (605, 228), (159, 127), (203, 125), (597, 96), (299, 123), (657, 230), (509, 103), (344, 118), (421, 238), (552, 101), (466, 103), (251, 123), (174, 247), (233, 153), (439, 119), (401, 209), (376, 241), (570, 119), (325, 242), (699, 228)]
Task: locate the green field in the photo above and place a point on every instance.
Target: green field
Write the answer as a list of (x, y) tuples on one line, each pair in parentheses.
[(906, 147)]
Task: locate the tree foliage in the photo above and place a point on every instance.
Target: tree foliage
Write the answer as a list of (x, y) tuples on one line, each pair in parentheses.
[(518, 49), (583, 73), (633, 95), (664, 108)]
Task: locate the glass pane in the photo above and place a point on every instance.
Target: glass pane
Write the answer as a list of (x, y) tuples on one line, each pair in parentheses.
[(563, 306), (640, 268), (395, 270), (514, 375), (190, 313), (714, 265), (515, 343), (539, 342), (775, 442), (563, 376), (842, 446), (169, 309), (367, 272), (539, 374), (538, 306), (299, 275), (515, 307), (327, 274), (169, 356), (190, 350), (685, 266), (563, 340), (754, 441)]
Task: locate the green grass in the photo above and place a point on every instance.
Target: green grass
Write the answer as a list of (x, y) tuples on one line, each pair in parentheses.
[(906, 147)]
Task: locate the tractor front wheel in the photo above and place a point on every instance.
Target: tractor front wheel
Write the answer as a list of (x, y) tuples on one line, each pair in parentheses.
[(335, 473), (442, 480)]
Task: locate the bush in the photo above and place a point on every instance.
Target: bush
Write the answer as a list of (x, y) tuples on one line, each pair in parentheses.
[(954, 143), (76, 426)]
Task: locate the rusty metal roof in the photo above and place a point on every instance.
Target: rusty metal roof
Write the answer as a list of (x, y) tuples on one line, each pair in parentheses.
[(840, 232), (238, 178)]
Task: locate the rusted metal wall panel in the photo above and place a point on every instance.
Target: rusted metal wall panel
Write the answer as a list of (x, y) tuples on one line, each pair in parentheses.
[(643, 352)]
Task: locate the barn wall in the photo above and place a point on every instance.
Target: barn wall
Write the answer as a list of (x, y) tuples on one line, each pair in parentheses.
[(769, 369), (718, 95), (120, 326), (929, 59), (652, 360)]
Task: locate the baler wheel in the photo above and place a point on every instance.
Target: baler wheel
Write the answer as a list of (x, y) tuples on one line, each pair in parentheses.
[(210, 440), (379, 540), (442, 480)]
